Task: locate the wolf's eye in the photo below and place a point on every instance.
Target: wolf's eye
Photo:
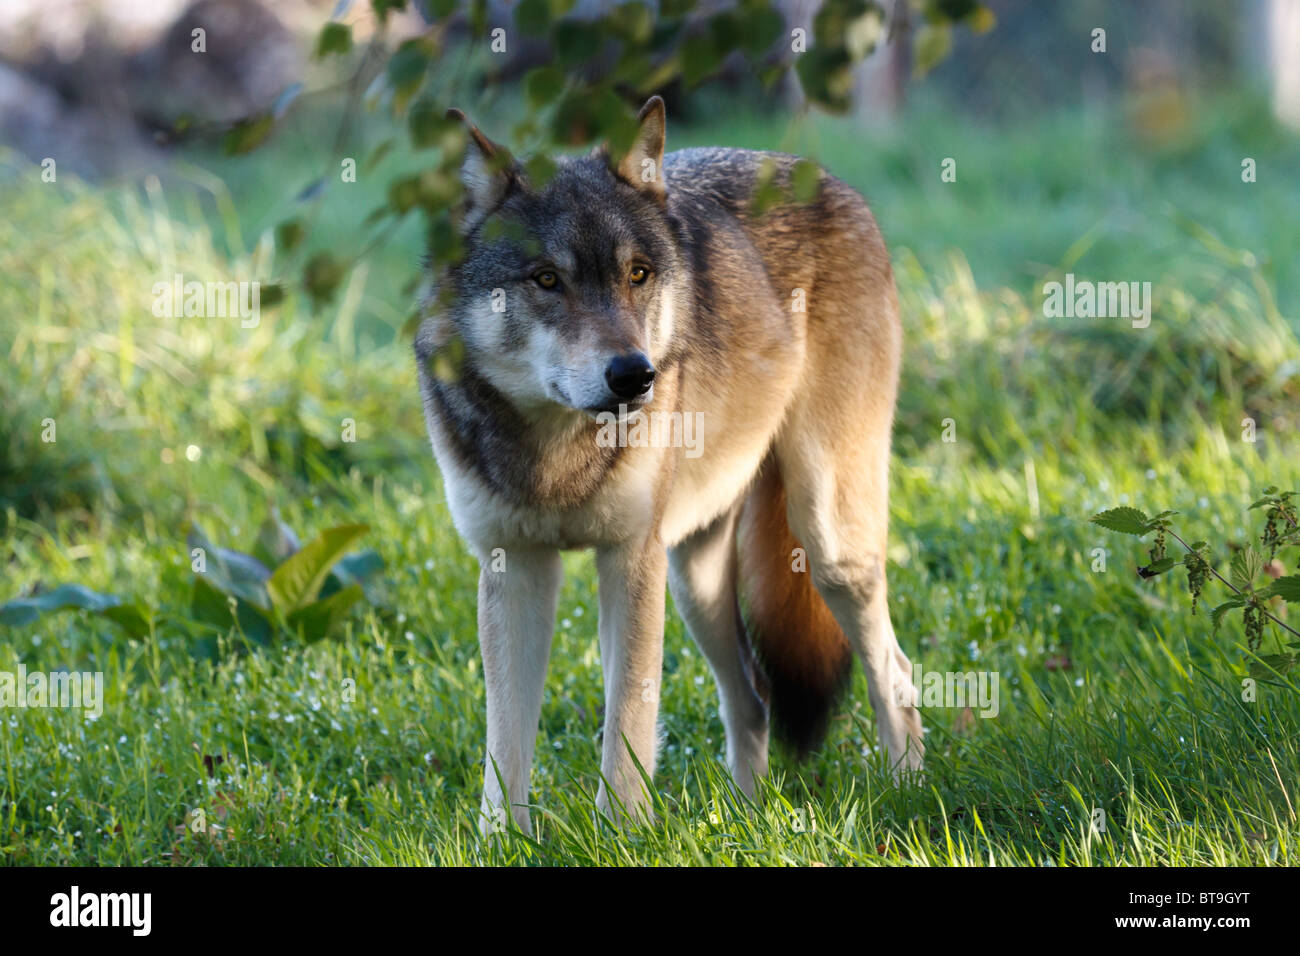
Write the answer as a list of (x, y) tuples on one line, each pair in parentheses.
[(547, 279), (638, 274)]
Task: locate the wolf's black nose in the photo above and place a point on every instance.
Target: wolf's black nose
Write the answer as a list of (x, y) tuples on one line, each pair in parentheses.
[(630, 375)]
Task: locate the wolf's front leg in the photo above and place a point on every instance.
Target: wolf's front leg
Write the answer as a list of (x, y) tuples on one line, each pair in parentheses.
[(516, 618), (632, 581)]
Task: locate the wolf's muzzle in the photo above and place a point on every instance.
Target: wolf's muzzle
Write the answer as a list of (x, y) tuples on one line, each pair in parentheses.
[(629, 375)]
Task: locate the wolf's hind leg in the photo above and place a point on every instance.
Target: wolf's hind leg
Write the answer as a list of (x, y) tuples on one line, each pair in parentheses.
[(838, 507), (702, 578)]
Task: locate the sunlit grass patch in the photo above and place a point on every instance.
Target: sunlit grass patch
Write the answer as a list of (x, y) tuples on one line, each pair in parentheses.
[(1121, 737)]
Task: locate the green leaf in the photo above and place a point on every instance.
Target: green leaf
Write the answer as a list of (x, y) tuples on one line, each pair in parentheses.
[(321, 618), (1160, 567), (805, 181), (289, 234), (270, 295), (700, 57), (765, 193), (540, 168), (981, 20), (248, 134), (577, 41), (933, 43), (22, 611), (826, 74), (406, 69), (939, 10), (378, 153), (761, 26), (533, 17), (383, 7), (276, 541), (334, 38), (209, 606), (633, 23), (1216, 616), (1125, 520), (298, 581), (321, 277), (231, 572), (1287, 588), (129, 617), (1270, 665), (477, 16), (862, 33), (1247, 565), (543, 86), (359, 567), (426, 122), (25, 610)]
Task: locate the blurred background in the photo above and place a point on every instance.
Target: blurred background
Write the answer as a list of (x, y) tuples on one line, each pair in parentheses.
[(302, 148), (1104, 138)]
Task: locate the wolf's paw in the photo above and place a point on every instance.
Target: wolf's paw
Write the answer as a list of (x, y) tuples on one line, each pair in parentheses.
[(627, 811)]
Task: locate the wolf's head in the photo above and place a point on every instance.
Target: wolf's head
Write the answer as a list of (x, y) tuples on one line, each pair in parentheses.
[(566, 291)]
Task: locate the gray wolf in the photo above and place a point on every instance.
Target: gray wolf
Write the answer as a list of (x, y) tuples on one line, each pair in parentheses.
[(640, 284)]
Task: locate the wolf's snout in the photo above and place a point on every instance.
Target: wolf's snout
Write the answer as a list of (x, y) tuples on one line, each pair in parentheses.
[(629, 375)]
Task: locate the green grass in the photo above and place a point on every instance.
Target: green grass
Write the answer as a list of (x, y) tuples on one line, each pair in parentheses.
[(990, 562)]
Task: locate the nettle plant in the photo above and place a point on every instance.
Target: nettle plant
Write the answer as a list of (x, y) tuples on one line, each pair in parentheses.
[(1256, 582)]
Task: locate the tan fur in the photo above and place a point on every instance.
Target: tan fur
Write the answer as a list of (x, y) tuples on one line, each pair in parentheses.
[(797, 406), (804, 655)]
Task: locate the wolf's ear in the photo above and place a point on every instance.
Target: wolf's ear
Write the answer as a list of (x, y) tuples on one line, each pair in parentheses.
[(488, 173), (642, 167)]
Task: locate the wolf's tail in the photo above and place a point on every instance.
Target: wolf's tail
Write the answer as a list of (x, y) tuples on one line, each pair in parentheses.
[(803, 654)]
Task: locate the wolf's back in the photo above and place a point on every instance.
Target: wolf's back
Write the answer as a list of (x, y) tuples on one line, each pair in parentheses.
[(819, 247)]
